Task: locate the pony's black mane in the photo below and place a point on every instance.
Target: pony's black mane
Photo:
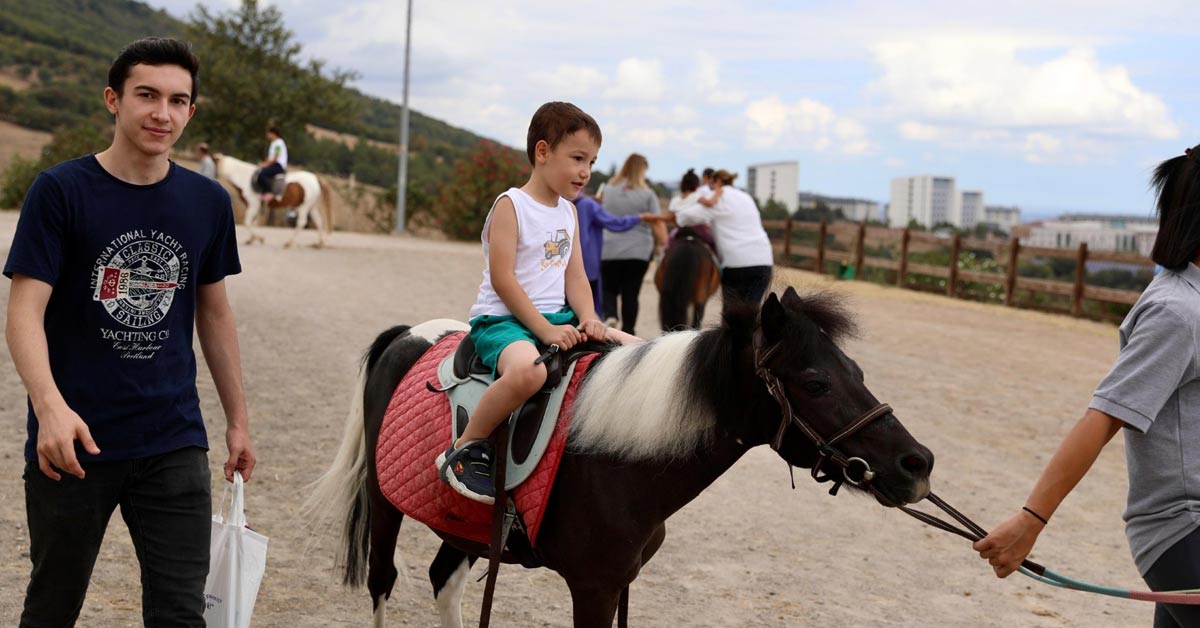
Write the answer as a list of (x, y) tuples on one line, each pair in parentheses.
[(713, 370)]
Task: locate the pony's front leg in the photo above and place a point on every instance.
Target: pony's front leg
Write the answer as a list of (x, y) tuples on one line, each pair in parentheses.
[(593, 607), (250, 220)]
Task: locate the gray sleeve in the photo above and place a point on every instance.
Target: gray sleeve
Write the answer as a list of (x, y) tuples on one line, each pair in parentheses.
[(1155, 360), (652, 203)]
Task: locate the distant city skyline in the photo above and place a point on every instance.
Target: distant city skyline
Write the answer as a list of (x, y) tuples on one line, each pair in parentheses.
[(1039, 108)]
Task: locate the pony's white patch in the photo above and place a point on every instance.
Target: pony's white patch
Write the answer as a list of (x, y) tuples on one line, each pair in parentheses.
[(449, 599), (377, 619), (432, 330), (637, 408)]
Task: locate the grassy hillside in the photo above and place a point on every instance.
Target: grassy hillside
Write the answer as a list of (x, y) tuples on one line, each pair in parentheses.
[(54, 56)]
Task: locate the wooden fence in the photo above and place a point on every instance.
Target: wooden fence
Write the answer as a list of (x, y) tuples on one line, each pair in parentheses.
[(850, 244)]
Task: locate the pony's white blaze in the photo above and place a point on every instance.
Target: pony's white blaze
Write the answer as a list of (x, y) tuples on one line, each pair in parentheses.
[(434, 329), (449, 599), (633, 404)]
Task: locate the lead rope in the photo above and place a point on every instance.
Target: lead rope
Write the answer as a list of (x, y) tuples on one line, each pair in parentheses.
[(974, 532)]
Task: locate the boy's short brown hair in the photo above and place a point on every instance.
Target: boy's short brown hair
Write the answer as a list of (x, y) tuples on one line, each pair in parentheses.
[(554, 121)]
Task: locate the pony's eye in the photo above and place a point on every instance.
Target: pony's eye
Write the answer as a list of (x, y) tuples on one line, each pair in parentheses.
[(815, 388)]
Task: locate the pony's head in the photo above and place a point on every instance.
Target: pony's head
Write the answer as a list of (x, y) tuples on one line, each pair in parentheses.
[(828, 420)]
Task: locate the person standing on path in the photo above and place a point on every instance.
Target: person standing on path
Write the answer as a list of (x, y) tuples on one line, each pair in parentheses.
[(116, 258), (593, 221), (1153, 393), (208, 167), (626, 256)]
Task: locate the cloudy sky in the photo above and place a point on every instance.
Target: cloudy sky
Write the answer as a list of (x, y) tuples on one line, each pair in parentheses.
[(1051, 105)]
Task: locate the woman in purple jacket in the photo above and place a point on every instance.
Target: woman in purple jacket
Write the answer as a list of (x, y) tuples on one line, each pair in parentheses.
[(593, 220)]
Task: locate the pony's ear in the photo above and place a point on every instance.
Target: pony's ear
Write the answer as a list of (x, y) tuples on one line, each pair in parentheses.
[(771, 317), (791, 297)]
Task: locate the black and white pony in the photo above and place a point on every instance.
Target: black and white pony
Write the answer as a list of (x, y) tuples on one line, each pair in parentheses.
[(655, 424)]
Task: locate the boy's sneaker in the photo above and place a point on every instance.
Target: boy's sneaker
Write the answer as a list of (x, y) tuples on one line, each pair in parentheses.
[(468, 470), (612, 321)]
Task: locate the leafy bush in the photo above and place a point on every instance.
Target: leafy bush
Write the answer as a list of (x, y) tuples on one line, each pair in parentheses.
[(67, 143), (479, 177)]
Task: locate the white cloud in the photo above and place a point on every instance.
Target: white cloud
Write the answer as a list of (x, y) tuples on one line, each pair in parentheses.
[(706, 79), (570, 81), (979, 82), (807, 124), (637, 79)]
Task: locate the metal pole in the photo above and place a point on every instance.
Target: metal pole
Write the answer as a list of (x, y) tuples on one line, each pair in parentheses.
[(402, 184)]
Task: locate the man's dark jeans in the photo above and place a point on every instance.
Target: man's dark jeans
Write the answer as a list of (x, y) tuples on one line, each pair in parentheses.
[(167, 505)]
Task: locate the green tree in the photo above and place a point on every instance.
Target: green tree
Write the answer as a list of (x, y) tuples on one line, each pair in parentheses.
[(478, 178), (252, 77), (774, 210)]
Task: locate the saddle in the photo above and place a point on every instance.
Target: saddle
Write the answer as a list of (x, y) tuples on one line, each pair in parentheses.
[(464, 378), (416, 428), (278, 183)]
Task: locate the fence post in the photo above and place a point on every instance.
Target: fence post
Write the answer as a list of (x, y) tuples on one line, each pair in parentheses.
[(904, 237), (787, 242), (1010, 279), (952, 279), (1080, 280), (821, 248), (858, 255)]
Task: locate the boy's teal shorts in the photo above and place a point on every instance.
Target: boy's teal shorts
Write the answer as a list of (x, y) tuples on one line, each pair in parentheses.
[(492, 334)]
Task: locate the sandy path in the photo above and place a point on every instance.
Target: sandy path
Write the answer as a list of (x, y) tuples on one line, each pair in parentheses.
[(989, 390)]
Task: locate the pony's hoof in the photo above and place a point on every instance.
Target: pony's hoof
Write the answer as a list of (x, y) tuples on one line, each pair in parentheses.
[(287, 245)]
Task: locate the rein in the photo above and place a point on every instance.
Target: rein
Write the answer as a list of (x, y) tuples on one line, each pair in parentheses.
[(970, 530)]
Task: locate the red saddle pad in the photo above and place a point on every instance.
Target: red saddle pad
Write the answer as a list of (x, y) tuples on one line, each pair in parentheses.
[(416, 428)]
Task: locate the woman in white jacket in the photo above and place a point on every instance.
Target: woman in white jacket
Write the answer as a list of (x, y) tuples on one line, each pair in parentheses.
[(742, 243)]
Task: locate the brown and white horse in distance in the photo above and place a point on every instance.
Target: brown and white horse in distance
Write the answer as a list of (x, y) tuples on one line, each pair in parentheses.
[(303, 192)]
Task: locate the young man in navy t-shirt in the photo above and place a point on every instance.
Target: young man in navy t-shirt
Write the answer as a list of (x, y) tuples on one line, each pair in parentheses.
[(116, 258)]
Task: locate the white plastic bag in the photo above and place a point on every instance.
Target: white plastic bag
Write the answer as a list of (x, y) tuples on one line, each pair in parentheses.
[(237, 560)]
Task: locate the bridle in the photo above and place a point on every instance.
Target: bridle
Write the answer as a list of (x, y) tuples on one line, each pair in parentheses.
[(826, 450)]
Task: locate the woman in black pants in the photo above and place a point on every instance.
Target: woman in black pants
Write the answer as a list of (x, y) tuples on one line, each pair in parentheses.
[(626, 256)]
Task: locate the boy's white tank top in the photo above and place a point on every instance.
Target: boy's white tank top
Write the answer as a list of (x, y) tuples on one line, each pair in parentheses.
[(545, 236)]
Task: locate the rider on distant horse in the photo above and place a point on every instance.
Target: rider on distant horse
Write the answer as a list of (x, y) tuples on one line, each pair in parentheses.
[(274, 164), (534, 287)]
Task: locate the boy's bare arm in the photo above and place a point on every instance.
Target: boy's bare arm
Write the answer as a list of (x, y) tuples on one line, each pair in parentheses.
[(502, 258), (58, 425)]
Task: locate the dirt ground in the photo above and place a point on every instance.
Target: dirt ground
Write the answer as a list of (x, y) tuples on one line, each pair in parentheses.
[(989, 390)]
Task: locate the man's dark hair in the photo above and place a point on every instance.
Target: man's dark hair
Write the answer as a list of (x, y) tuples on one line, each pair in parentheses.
[(554, 121), (154, 51), (275, 130), (690, 182), (1177, 184), (708, 173)]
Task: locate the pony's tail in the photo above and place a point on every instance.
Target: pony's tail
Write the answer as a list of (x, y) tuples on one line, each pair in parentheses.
[(326, 206), (681, 271), (343, 487)]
